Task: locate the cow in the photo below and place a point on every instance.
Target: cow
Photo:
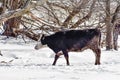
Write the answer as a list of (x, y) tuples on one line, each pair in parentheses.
[(63, 42)]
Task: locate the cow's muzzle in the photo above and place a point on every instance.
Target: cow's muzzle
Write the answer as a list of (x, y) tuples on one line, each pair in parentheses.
[(38, 46)]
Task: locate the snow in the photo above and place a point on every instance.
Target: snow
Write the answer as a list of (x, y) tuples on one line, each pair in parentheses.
[(21, 62)]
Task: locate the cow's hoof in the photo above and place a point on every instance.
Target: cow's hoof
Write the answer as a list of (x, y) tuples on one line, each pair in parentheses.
[(97, 63)]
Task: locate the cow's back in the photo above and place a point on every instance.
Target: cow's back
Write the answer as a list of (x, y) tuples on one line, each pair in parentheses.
[(90, 33), (79, 38), (72, 38)]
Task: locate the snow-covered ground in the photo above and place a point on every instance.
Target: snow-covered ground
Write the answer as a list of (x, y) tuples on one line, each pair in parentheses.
[(21, 62)]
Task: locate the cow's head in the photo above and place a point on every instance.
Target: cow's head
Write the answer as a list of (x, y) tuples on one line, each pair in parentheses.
[(41, 42)]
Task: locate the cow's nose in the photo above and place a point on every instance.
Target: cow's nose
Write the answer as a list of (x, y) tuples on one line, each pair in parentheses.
[(36, 47)]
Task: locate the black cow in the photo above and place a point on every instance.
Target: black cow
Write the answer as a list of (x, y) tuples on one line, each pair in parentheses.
[(73, 40)]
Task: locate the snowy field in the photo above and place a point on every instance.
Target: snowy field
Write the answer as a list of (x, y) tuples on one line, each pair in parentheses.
[(21, 62)]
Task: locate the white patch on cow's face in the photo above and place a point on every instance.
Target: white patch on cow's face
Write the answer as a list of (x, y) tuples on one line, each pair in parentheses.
[(38, 46)]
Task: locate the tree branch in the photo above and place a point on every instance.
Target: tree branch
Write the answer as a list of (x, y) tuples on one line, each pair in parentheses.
[(115, 13), (86, 17), (20, 12), (74, 12)]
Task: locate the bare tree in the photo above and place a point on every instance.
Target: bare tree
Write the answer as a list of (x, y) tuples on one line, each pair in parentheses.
[(116, 30), (66, 14), (11, 13), (109, 27), (56, 15), (14, 23), (111, 10)]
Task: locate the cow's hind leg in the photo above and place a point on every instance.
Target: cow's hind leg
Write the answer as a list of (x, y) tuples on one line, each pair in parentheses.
[(97, 56)]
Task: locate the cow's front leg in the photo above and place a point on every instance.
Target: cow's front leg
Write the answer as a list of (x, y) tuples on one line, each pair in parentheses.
[(66, 57), (57, 56), (55, 60)]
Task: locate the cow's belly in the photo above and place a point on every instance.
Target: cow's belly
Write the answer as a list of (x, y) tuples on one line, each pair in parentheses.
[(77, 49)]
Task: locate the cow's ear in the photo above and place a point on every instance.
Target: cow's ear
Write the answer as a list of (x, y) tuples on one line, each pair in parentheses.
[(43, 37)]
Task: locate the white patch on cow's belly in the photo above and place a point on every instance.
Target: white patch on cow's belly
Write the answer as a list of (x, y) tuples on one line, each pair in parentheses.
[(60, 53)]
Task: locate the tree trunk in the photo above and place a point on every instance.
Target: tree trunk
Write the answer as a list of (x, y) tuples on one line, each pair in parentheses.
[(13, 24), (109, 36), (115, 36), (116, 27), (109, 27)]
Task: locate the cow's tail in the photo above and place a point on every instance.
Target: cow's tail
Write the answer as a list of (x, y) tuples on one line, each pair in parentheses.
[(99, 34), (99, 38)]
